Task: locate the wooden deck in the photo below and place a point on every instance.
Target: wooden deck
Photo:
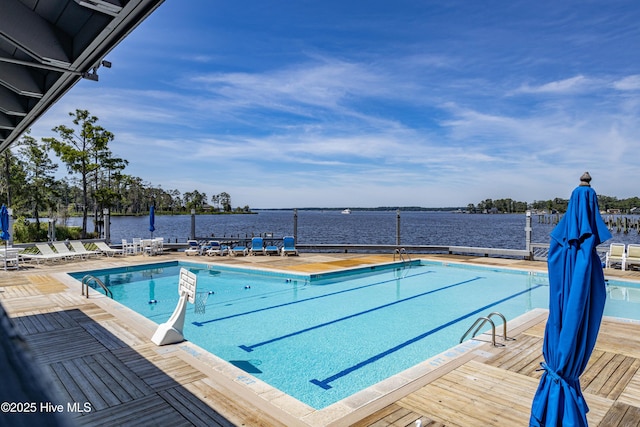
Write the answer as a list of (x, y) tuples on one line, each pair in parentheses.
[(497, 387), (105, 370)]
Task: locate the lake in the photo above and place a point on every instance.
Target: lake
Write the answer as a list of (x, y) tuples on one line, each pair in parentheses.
[(360, 227)]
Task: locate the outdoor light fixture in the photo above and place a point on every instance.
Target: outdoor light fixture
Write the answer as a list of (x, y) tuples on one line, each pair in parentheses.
[(93, 73), (101, 6)]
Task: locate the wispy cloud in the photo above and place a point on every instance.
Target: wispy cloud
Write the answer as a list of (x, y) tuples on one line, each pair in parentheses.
[(433, 105), (565, 86), (629, 83)]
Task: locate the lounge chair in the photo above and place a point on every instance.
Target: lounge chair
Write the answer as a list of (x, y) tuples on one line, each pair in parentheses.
[(257, 246), (79, 248), (288, 246), (27, 255), (63, 249), (46, 253), (615, 255), (214, 248), (239, 250), (271, 250), (205, 247), (193, 248), (633, 256), (107, 250)]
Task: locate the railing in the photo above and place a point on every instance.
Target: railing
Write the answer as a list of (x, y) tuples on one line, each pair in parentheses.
[(401, 252), (481, 321), (89, 278), (540, 251), (415, 249)]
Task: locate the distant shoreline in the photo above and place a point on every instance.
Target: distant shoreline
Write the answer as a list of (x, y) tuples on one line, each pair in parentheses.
[(381, 208)]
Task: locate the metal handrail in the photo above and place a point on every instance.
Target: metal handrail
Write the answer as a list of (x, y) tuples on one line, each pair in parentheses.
[(481, 321), (504, 325), (85, 284), (401, 252)]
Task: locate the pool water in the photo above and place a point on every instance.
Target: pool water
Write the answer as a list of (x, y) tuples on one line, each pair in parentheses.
[(322, 338)]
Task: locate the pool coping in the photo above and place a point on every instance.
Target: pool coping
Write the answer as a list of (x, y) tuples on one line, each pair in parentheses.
[(292, 411)]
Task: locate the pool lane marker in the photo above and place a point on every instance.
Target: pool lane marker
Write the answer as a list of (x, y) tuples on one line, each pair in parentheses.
[(325, 383), (231, 316), (249, 348)]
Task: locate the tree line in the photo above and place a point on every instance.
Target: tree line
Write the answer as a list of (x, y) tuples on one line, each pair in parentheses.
[(606, 203), (96, 179)]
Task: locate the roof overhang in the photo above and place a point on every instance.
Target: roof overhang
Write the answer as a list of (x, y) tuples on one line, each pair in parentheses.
[(47, 46)]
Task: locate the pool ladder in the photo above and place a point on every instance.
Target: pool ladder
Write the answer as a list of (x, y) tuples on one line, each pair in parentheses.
[(401, 252), (481, 321), (85, 284)]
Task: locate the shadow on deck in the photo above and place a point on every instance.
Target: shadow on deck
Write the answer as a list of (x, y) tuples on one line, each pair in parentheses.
[(101, 359), (101, 380)]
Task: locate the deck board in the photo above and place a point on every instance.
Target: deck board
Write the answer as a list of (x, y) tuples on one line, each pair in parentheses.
[(196, 412), (500, 388), (150, 410), (93, 355)]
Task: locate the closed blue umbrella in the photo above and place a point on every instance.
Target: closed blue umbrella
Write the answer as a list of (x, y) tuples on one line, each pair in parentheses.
[(576, 304), (4, 223), (152, 219), (4, 230)]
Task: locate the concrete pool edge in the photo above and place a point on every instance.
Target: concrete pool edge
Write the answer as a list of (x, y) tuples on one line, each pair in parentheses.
[(250, 400), (282, 406)]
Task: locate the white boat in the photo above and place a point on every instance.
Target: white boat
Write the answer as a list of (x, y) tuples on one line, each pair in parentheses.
[(346, 211)]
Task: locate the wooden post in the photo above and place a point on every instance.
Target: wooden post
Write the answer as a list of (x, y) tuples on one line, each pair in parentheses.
[(295, 225), (527, 233), (193, 224), (398, 227)]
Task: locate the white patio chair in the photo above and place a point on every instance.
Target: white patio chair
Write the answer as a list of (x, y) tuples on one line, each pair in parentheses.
[(10, 258), (615, 255), (159, 244), (127, 248), (632, 257), (137, 245)]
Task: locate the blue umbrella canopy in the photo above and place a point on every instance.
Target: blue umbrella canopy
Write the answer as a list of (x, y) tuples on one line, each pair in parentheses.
[(152, 219), (4, 223), (576, 303)]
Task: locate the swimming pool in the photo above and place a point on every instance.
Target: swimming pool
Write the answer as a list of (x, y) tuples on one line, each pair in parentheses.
[(321, 338)]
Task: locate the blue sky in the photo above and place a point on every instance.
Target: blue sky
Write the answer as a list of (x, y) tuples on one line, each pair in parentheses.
[(374, 103)]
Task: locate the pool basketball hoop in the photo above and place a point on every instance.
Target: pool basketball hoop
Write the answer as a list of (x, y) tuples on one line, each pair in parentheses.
[(200, 305), (170, 332), (187, 284)]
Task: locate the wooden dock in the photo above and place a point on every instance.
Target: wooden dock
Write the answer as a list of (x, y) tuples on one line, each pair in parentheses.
[(105, 370)]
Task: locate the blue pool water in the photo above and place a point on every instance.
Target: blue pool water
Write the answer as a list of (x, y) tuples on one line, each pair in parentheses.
[(321, 338)]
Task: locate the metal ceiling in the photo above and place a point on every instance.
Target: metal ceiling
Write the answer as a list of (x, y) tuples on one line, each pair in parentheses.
[(47, 46)]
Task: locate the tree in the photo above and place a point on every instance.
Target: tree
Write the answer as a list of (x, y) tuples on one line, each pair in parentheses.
[(104, 195), (225, 201), (12, 179), (39, 177), (215, 200), (77, 148), (195, 200)]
